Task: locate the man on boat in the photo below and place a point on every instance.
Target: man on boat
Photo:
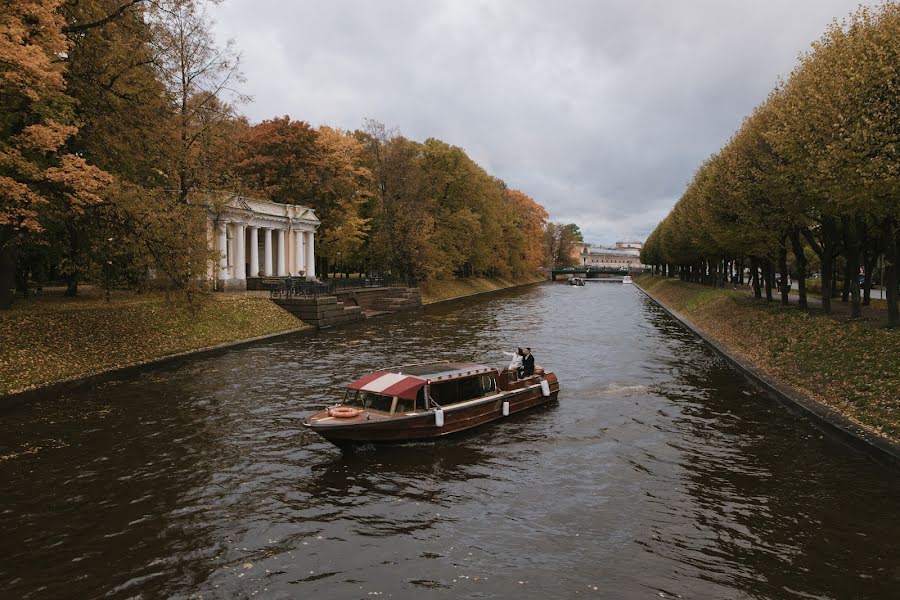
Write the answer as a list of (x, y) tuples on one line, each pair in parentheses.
[(528, 363)]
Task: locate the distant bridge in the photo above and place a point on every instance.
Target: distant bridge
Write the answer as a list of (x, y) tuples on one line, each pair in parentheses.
[(590, 272)]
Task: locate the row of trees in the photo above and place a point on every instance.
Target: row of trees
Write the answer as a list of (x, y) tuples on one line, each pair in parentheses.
[(117, 116), (813, 172), (388, 203)]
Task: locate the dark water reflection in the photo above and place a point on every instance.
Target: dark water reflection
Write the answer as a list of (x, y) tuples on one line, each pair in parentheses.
[(658, 473)]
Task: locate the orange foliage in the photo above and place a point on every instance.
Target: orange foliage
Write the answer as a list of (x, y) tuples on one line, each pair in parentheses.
[(533, 221), (33, 111)]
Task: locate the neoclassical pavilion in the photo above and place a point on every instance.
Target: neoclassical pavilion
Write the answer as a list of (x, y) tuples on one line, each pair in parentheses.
[(257, 238)]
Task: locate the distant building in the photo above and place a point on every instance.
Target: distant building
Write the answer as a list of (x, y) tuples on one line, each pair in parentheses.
[(624, 255)]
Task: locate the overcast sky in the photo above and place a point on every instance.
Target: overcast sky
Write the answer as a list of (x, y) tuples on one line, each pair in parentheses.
[(600, 111)]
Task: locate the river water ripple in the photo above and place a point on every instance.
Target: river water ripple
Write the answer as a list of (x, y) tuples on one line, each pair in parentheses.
[(659, 473)]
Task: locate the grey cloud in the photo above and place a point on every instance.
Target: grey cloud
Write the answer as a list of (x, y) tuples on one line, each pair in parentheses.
[(600, 111)]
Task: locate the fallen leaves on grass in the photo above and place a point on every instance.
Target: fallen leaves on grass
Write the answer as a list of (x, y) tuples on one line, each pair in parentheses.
[(49, 340)]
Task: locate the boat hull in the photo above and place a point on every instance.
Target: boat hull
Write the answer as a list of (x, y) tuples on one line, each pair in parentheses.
[(423, 426)]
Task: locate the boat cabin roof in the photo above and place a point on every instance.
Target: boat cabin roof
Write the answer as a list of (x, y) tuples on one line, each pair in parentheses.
[(441, 370), (406, 381)]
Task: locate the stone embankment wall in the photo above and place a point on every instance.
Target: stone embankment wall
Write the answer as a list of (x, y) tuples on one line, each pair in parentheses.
[(840, 375)]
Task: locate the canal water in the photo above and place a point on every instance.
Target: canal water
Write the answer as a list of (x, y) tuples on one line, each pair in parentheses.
[(658, 474)]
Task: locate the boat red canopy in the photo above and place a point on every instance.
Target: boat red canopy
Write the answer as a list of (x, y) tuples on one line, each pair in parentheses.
[(389, 384)]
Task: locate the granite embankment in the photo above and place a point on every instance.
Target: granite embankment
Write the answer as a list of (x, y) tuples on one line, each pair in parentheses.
[(851, 368), (50, 339)]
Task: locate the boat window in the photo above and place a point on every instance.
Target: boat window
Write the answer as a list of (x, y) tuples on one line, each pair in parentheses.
[(470, 388), (444, 393), (461, 390), (351, 398), (369, 400), (404, 406)]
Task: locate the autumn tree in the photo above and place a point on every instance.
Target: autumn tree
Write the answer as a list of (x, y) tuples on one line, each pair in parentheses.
[(119, 105), (36, 120), (345, 186), (280, 158), (560, 242), (814, 167), (199, 78), (531, 219)]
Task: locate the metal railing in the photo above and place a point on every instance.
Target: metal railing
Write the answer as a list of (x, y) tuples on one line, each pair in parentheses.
[(289, 287)]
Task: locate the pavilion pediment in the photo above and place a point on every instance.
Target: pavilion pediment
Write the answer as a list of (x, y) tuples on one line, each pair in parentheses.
[(264, 209)]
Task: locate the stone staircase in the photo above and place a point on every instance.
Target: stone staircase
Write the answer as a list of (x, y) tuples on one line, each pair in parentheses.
[(377, 301), (350, 305), (322, 311)]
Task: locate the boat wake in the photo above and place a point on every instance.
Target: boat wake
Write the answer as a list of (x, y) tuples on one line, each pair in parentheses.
[(617, 389)]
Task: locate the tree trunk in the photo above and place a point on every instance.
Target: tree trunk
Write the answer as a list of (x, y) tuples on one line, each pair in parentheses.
[(845, 286), (768, 276), (868, 256), (7, 274), (740, 265), (754, 277), (868, 265), (891, 257), (827, 259), (23, 273), (800, 257), (74, 259), (782, 266), (851, 243)]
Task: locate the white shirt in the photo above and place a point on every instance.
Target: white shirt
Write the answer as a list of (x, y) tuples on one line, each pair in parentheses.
[(516, 360)]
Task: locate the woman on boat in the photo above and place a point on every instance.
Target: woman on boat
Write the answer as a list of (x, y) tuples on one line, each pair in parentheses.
[(515, 363)]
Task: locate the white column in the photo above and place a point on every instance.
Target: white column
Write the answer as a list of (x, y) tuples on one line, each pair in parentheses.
[(267, 251), (222, 247), (298, 251), (281, 268), (310, 255), (240, 266), (303, 251), (254, 252)]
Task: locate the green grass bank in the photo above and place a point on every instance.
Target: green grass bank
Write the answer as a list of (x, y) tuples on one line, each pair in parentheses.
[(848, 366), (51, 339), (439, 290)]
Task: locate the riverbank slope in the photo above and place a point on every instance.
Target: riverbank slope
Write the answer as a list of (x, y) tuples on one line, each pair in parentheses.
[(439, 290), (852, 368), (51, 339)]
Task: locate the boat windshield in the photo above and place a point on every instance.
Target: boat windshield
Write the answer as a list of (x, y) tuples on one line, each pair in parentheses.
[(379, 402)]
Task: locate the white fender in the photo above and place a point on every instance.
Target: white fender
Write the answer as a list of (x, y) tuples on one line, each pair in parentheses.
[(439, 417), (506, 408), (545, 387)]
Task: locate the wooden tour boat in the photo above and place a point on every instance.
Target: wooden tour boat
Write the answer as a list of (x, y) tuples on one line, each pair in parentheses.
[(430, 400)]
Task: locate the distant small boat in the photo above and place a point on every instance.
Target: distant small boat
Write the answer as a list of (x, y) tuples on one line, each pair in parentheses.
[(576, 281), (627, 279), (430, 400)]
